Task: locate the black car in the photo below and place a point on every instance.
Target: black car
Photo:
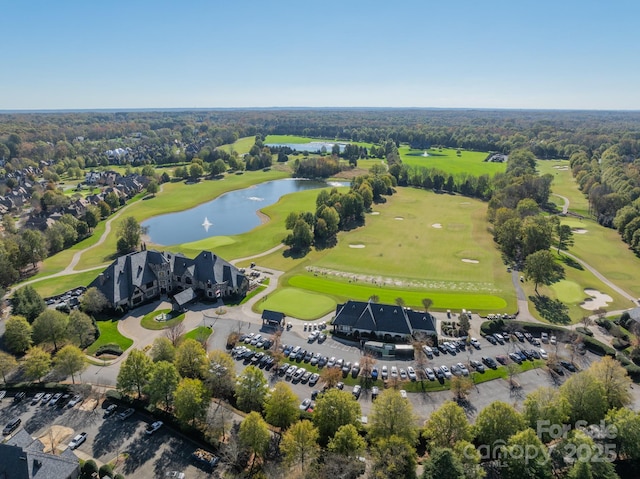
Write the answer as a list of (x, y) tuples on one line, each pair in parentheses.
[(490, 362), (491, 339), (442, 349), (568, 366), (12, 426), (19, 396)]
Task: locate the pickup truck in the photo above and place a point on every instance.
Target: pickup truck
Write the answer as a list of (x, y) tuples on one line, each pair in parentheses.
[(206, 458)]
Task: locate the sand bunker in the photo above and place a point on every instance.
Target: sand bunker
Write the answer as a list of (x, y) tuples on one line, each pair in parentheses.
[(472, 261), (399, 218), (375, 213), (561, 167), (597, 300), (436, 225), (579, 231), (465, 203), (356, 246), (57, 437)]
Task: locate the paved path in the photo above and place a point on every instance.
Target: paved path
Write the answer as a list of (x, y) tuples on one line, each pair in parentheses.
[(565, 206)]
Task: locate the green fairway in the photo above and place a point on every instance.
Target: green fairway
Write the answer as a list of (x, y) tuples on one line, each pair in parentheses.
[(240, 146), (60, 284), (564, 185), (297, 303), (109, 334), (200, 334), (446, 159), (569, 291)]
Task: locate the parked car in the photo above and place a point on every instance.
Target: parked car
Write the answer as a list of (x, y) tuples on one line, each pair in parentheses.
[(11, 426), (544, 337), (553, 340), (74, 400), (3, 393), (77, 440), (357, 389), (445, 371), (455, 370), (314, 379), (36, 399), (534, 354), (428, 372), (515, 358), (346, 368), (463, 369), (394, 372), (355, 370), (153, 427), (54, 399), (543, 354), (385, 372), (568, 365), (322, 338), (428, 351), (127, 413), (374, 393), (411, 373), (340, 385), (46, 398), (438, 372), (110, 410), (502, 359), (475, 343), (19, 396), (332, 362), (322, 362), (305, 377), (489, 362), (499, 338), (403, 393), (175, 475), (374, 373), (477, 365), (305, 404), (491, 339), (403, 374)]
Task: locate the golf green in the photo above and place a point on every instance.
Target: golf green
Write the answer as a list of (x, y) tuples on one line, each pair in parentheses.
[(297, 303)]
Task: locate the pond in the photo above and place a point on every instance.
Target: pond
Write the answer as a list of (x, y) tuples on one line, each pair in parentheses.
[(230, 214)]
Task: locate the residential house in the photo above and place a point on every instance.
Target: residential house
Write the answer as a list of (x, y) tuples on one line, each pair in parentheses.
[(146, 275), (23, 457), (384, 321)]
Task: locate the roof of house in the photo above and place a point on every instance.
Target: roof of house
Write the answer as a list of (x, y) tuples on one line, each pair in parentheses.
[(368, 316), (272, 315), (635, 313), (22, 457), (184, 297)]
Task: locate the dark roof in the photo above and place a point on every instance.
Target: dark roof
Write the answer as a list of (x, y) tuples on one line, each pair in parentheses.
[(373, 317), (421, 321), (184, 297), (22, 457), (274, 316)]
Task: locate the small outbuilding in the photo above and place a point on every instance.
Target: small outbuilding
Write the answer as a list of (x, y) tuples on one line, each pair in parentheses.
[(275, 319)]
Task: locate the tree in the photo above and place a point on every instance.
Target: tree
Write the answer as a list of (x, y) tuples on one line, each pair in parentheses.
[(195, 171), (347, 441), (174, 333), (254, 435), (330, 377), (392, 415), (50, 327), (129, 233), (93, 301), (614, 379), (541, 268), (251, 390), (162, 350), (300, 444), (163, 382), (426, 304), (218, 167), (37, 363), (545, 406), (460, 387), (80, 329), (334, 409), (33, 246), (17, 334), (27, 302), (7, 364), (533, 464), (587, 397), (191, 359), (627, 432), (393, 457), (221, 377), (191, 401), (498, 422), (565, 236), (443, 463), (447, 425), (470, 459), (281, 407), (134, 373), (69, 361), (152, 187)]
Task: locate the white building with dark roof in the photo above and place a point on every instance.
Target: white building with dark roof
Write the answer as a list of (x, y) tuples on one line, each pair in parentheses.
[(139, 277)]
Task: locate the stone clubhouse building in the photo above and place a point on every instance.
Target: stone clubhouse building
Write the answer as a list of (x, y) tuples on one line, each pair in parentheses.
[(143, 276)]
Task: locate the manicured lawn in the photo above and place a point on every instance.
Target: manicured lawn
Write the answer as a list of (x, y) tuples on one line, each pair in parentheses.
[(255, 291), (109, 334), (297, 303), (201, 333), (60, 284), (149, 321), (564, 185), (446, 159), (241, 145)]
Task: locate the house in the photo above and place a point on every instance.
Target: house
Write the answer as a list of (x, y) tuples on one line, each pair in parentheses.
[(23, 457), (384, 321), (274, 319), (146, 275)]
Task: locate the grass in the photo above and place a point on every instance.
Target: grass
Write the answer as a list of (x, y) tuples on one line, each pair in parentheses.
[(201, 333), (446, 159), (252, 293), (60, 284), (149, 321), (297, 303), (564, 185), (240, 146), (109, 334)]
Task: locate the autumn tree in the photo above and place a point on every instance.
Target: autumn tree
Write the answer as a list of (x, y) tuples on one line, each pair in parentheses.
[(447, 425), (129, 234), (37, 363), (221, 377), (545, 405), (534, 464), (80, 329), (7, 364), (254, 435), (69, 361), (28, 303), (540, 267), (392, 415), (163, 350), (347, 441), (615, 380), (334, 409), (587, 397), (443, 463), (627, 432), (393, 457)]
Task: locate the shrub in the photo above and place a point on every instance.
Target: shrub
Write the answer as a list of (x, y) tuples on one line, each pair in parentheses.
[(105, 470), (118, 476), (110, 348), (596, 347), (632, 369), (586, 331), (620, 343), (89, 467), (605, 323)]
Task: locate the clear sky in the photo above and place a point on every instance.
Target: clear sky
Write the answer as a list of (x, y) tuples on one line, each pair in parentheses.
[(86, 54)]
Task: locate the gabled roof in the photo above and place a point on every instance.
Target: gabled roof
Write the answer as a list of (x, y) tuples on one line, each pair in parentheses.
[(373, 317), (274, 316), (184, 297), (421, 320)]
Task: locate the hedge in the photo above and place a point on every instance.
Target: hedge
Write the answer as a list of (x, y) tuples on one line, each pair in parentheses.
[(111, 348)]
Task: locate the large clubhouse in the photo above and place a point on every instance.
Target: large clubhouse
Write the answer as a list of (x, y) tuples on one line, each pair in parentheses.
[(143, 276)]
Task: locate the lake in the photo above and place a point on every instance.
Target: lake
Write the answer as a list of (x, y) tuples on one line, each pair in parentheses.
[(233, 213)]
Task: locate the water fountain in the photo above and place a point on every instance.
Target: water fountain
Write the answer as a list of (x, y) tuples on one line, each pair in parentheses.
[(207, 224)]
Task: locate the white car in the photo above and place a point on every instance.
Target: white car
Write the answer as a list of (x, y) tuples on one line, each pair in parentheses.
[(430, 374), (552, 340), (77, 440), (475, 343), (394, 372), (412, 373), (543, 354), (544, 337), (75, 400), (446, 372), (175, 475), (153, 427), (403, 393), (463, 369), (385, 372)]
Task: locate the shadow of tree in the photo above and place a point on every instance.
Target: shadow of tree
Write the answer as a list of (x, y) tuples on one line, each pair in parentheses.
[(175, 457), (469, 409), (141, 450), (571, 263), (112, 432), (551, 309)]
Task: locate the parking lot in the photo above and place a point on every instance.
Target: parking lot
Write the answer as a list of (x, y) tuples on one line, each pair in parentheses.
[(109, 439)]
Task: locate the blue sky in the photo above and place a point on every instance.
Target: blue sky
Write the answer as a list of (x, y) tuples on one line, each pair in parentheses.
[(560, 54)]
